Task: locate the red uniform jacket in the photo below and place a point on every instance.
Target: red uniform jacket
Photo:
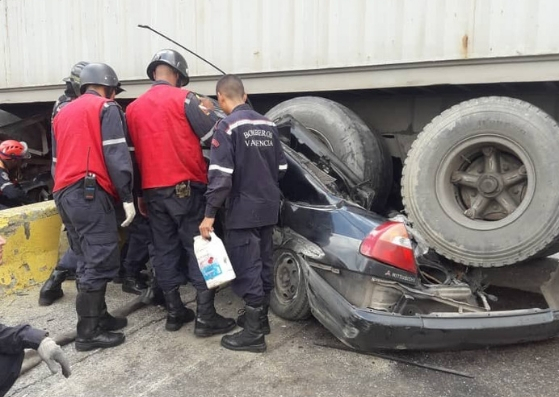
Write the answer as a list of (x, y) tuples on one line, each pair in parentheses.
[(167, 149), (77, 130)]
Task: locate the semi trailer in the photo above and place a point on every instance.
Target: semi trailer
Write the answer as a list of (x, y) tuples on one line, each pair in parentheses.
[(445, 110)]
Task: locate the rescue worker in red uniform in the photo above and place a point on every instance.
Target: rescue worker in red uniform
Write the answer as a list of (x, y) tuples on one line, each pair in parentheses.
[(51, 290), (93, 171), (166, 124), (246, 163), (12, 155)]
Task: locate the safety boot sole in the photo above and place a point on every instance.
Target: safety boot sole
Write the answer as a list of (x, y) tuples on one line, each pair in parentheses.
[(47, 301), (205, 332), (92, 345), (260, 348), (175, 324)]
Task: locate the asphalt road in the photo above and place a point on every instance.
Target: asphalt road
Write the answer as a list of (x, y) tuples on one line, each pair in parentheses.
[(154, 362)]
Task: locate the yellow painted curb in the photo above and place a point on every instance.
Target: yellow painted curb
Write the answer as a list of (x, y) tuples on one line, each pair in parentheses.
[(32, 236)]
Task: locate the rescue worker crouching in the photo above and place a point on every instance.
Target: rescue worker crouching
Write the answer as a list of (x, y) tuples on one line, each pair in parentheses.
[(246, 163), (166, 124), (12, 156), (51, 290), (93, 170), (13, 341)]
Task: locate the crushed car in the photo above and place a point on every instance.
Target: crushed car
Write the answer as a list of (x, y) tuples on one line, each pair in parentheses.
[(371, 280)]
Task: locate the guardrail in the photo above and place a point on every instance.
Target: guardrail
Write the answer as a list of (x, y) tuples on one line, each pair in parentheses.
[(32, 236)]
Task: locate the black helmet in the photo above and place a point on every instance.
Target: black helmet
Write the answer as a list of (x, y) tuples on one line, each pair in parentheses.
[(73, 81), (174, 60), (99, 74)]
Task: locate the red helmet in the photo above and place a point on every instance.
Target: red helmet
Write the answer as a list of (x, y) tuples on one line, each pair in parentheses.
[(13, 150)]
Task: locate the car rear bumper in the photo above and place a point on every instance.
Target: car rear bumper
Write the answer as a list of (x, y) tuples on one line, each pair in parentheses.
[(367, 329)]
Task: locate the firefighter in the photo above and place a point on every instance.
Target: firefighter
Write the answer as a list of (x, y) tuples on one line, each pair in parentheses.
[(12, 156), (12, 342), (66, 267), (166, 124), (246, 163), (92, 172)]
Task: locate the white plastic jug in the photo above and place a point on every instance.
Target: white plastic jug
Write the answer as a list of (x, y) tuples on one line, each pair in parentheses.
[(213, 261)]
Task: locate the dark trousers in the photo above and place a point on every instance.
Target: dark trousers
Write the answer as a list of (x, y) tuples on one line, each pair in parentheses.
[(174, 222), (92, 232), (10, 367), (69, 261), (250, 252), (140, 247)]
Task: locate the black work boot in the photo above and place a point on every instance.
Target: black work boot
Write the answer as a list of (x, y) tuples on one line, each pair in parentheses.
[(208, 322), (251, 338), (52, 288), (153, 295), (71, 275), (89, 306), (264, 319), (134, 285), (177, 313), (107, 322)]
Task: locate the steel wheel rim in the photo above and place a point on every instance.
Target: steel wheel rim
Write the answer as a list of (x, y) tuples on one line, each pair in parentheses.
[(288, 277), (485, 182)]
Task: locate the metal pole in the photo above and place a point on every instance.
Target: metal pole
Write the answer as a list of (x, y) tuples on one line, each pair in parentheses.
[(190, 51), (181, 46), (397, 359)]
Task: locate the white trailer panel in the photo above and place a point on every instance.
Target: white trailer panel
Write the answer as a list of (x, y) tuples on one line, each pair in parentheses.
[(279, 45)]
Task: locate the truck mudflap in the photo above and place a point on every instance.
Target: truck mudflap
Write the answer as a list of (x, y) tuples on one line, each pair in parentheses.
[(369, 330)]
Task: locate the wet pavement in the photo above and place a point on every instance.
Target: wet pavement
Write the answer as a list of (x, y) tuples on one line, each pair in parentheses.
[(154, 362)]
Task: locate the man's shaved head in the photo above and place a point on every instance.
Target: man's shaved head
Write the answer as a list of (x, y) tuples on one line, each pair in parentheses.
[(231, 87)]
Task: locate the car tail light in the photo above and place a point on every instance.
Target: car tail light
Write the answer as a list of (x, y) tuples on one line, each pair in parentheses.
[(390, 243)]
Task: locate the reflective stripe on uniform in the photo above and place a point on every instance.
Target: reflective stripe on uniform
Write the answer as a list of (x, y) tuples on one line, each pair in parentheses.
[(10, 183), (283, 167), (220, 168), (54, 159), (236, 124), (207, 136), (131, 149), (114, 141)]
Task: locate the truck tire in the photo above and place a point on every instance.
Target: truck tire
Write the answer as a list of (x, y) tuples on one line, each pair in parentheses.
[(289, 298), (362, 149), (481, 184)]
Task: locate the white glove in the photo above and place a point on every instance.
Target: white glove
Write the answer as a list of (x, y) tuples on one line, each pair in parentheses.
[(130, 212), (52, 354)]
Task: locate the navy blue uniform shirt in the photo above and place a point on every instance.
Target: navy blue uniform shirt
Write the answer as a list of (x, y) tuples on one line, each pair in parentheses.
[(246, 163), (14, 339)]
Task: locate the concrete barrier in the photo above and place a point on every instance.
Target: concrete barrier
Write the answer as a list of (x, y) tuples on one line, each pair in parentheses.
[(32, 236)]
